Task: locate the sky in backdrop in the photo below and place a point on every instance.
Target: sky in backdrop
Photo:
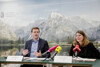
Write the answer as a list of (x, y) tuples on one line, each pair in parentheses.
[(23, 12)]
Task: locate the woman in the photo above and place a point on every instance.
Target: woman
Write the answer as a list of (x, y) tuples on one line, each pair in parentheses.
[(87, 48)]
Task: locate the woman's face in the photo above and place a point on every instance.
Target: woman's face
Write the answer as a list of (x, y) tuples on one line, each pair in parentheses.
[(79, 37)]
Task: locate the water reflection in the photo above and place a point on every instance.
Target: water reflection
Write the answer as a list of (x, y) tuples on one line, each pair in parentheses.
[(6, 50), (3, 49)]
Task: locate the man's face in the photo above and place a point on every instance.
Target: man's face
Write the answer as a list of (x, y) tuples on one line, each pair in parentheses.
[(35, 33)]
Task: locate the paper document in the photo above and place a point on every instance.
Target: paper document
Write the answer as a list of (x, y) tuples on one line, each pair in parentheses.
[(83, 59), (14, 58), (63, 59), (30, 58)]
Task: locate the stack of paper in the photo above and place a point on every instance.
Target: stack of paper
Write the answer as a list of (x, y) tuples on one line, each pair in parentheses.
[(83, 59)]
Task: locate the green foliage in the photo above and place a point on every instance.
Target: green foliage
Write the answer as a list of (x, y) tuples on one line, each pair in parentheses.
[(20, 41)]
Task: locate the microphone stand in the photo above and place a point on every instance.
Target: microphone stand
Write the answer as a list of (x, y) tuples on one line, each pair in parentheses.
[(52, 57), (46, 56), (76, 53), (57, 50)]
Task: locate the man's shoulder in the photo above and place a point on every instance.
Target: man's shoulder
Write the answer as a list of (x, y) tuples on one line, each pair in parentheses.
[(29, 40), (42, 39)]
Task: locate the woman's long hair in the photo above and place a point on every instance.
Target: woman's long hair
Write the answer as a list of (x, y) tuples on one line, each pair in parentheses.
[(85, 39)]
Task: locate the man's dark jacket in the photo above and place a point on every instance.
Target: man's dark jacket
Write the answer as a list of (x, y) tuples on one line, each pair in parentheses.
[(42, 45)]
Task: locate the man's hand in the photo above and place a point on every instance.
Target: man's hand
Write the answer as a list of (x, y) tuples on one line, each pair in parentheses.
[(38, 54), (25, 52)]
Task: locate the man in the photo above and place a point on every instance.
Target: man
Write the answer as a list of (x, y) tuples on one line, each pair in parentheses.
[(35, 47)]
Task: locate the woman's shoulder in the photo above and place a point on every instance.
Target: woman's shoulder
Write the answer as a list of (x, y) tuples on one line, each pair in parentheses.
[(72, 45), (90, 44)]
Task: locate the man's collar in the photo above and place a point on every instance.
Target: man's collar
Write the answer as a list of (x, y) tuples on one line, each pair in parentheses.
[(36, 40)]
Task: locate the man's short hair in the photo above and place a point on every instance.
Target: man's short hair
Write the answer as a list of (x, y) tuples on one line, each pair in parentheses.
[(35, 28)]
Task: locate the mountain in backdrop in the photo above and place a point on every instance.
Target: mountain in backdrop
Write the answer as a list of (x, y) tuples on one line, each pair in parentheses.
[(60, 27), (24, 32), (6, 32)]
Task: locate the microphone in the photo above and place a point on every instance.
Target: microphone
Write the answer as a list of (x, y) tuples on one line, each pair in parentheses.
[(76, 50), (57, 50), (50, 50)]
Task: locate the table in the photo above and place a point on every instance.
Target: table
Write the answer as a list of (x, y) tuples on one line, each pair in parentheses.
[(51, 63)]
